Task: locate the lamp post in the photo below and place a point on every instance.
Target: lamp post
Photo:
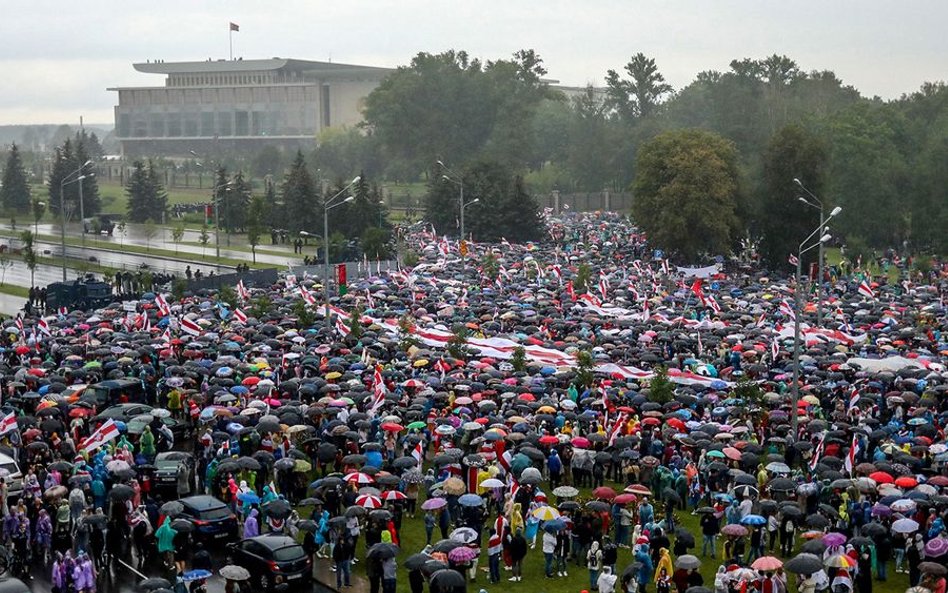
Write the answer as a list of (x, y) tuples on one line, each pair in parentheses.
[(75, 176), (330, 204), (452, 177), (798, 312), (819, 283)]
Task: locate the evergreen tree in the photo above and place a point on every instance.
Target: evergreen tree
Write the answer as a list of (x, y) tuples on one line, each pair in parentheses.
[(365, 211), (61, 169), (300, 198), (236, 200), (91, 202), (15, 192), (222, 186), (70, 161), (147, 199), (276, 213), (159, 203), (256, 222)]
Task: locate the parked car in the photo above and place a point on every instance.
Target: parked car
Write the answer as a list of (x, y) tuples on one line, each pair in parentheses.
[(12, 473), (213, 520), (108, 393), (168, 464), (122, 412), (273, 560)]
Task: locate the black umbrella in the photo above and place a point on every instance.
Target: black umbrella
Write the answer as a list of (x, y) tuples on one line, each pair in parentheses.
[(121, 492), (416, 561), (182, 526), (171, 508), (279, 509), (447, 581), (804, 564), (154, 583), (382, 551)]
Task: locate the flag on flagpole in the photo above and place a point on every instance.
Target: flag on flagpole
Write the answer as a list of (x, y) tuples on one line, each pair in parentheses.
[(378, 390), (242, 291), (853, 399), (774, 349), (104, 434), (850, 461), (418, 453), (240, 316), (866, 290), (817, 453), (787, 310), (698, 290), (794, 260), (8, 423), (162, 305), (235, 27), (43, 326), (569, 289)]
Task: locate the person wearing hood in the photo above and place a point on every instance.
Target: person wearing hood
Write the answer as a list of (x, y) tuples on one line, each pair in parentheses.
[(517, 546), (594, 564), (606, 583), (146, 444), (664, 562), (646, 568), (252, 524), (165, 536)]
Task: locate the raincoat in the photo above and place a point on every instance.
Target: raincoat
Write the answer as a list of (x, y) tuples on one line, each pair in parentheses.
[(165, 536)]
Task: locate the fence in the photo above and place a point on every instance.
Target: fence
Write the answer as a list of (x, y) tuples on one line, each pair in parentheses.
[(354, 269), (256, 278), (559, 202)]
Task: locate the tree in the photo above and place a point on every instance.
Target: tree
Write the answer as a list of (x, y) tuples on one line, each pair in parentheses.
[(269, 161), (39, 208), (5, 263), (519, 359), (583, 276), (660, 388), (204, 238), (29, 254), (375, 243), (457, 343), (15, 191), (235, 201), (490, 267), (177, 234), (451, 105), (504, 208), (69, 161), (640, 93), (686, 193), (149, 231), (784, 222), (584, 369), (366, 209), (300, 201), (147, 199), (256, 223)]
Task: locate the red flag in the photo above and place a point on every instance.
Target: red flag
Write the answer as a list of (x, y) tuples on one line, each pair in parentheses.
[(240, 316), (162, 305), (866, 290), (699, 292), (569, 289), (8, 423), (190, 327)]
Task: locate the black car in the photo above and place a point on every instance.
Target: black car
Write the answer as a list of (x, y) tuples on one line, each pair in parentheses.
[(122, 412), (273, 560), (168, 466), (213, 520)]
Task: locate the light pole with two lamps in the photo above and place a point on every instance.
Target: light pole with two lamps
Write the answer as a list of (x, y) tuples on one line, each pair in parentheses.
[(75, 177), (819, 284), (330, 204), (456, 179), (823, 236)]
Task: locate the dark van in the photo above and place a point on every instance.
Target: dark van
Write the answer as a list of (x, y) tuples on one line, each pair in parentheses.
[(108, 393)]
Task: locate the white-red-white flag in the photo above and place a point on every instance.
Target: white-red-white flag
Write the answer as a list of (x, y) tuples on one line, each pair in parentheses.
[(850, 461), (866, 290), (162, 305), (242, 291), (307, 295), (378, 389), (8, 423), (240, 316), (104, 434), (418, 453), (190, 327), (787, 310), (43, 326)]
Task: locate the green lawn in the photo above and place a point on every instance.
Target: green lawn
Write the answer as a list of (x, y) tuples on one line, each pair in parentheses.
[(534, 580)]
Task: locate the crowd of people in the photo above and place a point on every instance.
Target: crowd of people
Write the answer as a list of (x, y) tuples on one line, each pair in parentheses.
[(579, 410)]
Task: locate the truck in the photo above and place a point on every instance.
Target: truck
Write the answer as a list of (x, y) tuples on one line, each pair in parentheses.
[(78, 294), (98, 225)]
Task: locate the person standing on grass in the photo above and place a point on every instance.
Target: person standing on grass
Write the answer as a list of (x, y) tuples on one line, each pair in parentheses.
[(517, 546), (549, 551), (594, 564)]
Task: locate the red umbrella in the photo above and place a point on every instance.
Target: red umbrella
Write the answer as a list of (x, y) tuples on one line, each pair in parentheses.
[(368, 501), (732, 453), (638, 489), (394, 495), (604, 492), (624, 498), (938, 481), (580, 442), (359, 478), (548, 439), (906, 482), (882, 478), (392, 427), (250, 381)]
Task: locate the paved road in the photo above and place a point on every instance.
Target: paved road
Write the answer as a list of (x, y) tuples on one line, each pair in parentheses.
[(135, 235)]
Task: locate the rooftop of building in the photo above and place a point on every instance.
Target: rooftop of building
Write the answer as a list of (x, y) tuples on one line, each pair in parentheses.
[(241, 65)]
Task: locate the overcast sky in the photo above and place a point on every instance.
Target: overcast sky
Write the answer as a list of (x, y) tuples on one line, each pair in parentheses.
[(59, 56)]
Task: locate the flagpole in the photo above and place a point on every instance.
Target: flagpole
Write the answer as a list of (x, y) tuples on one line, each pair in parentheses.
[(230, 30)]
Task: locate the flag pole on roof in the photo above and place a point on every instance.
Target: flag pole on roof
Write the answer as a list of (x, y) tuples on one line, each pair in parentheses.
[(233, 27)]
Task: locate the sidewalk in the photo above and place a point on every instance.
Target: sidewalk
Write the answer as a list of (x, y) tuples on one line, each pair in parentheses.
[(326, 577)]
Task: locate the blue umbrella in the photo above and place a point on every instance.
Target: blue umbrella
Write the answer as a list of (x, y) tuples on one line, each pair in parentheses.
[(754, 520), (554, 525), (248, 497), (196, 575), (470, 500)]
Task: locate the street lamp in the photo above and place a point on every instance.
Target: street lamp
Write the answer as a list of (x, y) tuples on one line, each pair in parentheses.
[(824, 236), (456, 179), (75, 176), (819, 284), (329, 205)]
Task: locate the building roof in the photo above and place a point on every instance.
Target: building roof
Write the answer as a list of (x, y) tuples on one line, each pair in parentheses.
[(209, 66)]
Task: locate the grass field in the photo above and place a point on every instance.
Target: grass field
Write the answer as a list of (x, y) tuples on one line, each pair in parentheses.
[(534, 580)]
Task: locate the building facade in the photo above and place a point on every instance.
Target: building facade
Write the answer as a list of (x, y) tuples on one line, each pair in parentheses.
[(239, 105)]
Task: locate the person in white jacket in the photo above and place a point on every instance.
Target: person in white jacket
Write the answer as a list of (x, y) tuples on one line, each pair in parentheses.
[(606, 581)]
